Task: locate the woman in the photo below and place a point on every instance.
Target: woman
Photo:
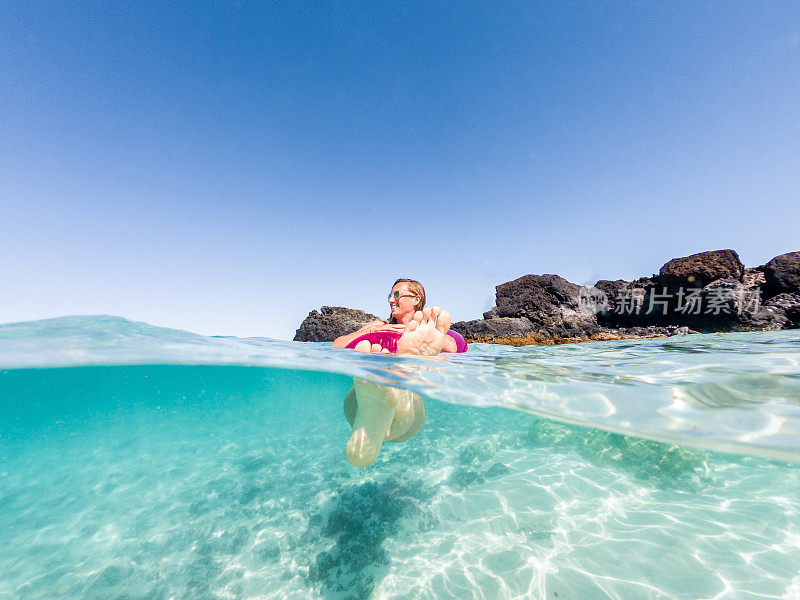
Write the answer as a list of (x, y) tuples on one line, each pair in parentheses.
[(378, 413), (424, 331)]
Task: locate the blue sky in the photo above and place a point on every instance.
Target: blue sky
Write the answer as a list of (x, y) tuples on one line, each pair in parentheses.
[(228, 167)]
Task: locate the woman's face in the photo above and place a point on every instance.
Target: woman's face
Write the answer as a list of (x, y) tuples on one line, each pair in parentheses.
[(405, 304)]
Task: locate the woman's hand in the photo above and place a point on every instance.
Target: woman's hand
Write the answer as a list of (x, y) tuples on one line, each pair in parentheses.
[(380, 326), (343, 340)]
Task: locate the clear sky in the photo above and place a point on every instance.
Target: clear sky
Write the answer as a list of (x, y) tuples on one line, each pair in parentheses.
[(226, 167)]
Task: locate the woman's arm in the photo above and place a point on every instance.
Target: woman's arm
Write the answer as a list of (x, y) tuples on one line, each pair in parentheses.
[(343, 340)]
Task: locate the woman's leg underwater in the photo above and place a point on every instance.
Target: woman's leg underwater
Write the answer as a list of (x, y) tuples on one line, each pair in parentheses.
[(379, 413)]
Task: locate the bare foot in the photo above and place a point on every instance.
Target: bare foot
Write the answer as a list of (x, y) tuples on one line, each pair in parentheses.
[(424, 335), (377, 414), (374, 411)]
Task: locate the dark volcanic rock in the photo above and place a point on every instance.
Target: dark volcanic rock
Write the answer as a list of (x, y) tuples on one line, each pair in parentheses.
[(623, 301), (782, 274), (766, 318), (332, 322), (700, 269), (540, 298), (498, 327), (722, 301), (754, 277), (722, 305), (793, 314), (788, 305), (729, 305), (551, 303), (784, 301), (548, 305), (642, 332), (613, 289)]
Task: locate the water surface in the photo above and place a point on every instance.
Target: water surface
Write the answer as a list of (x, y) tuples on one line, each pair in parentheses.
[(141, 462)]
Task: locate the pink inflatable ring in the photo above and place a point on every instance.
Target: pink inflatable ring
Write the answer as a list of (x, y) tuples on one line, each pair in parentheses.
[(388, 340)]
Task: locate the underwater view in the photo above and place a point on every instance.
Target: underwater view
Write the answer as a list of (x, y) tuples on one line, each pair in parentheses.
[(140, 462)]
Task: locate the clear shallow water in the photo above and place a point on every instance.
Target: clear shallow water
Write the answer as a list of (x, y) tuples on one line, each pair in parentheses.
[(161, 464)]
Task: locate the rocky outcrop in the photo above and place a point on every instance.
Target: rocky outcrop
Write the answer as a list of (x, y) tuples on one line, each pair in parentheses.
[(754, 276), (716, 306), (551, 304), (785, 301), (330, 323), (681, 294), (766, 318), (496, 327), (782, 274), (698, 270), (704, 292), (545, 306), (475, 332), (788, 305), (793, 314), (538, 297), (623, 301)]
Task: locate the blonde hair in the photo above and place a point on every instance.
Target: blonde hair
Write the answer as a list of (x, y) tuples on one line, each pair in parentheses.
[(415, 287)]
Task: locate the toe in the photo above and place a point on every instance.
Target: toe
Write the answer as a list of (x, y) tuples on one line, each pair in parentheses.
[(376, 348), (443, 322), (362, 346), (426, 315)]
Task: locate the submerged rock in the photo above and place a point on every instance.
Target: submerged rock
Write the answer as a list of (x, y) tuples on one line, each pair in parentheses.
[(664, 465), (358, 522), (463, 477), (477, 451), (330, 323)]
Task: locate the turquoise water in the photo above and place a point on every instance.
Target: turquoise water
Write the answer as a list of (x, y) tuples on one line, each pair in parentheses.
[(141, 462)]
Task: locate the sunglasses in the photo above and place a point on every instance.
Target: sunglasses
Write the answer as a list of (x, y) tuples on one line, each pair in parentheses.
[(397, 295)]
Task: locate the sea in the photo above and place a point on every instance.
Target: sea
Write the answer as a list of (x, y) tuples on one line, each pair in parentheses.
[(138, 462)]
